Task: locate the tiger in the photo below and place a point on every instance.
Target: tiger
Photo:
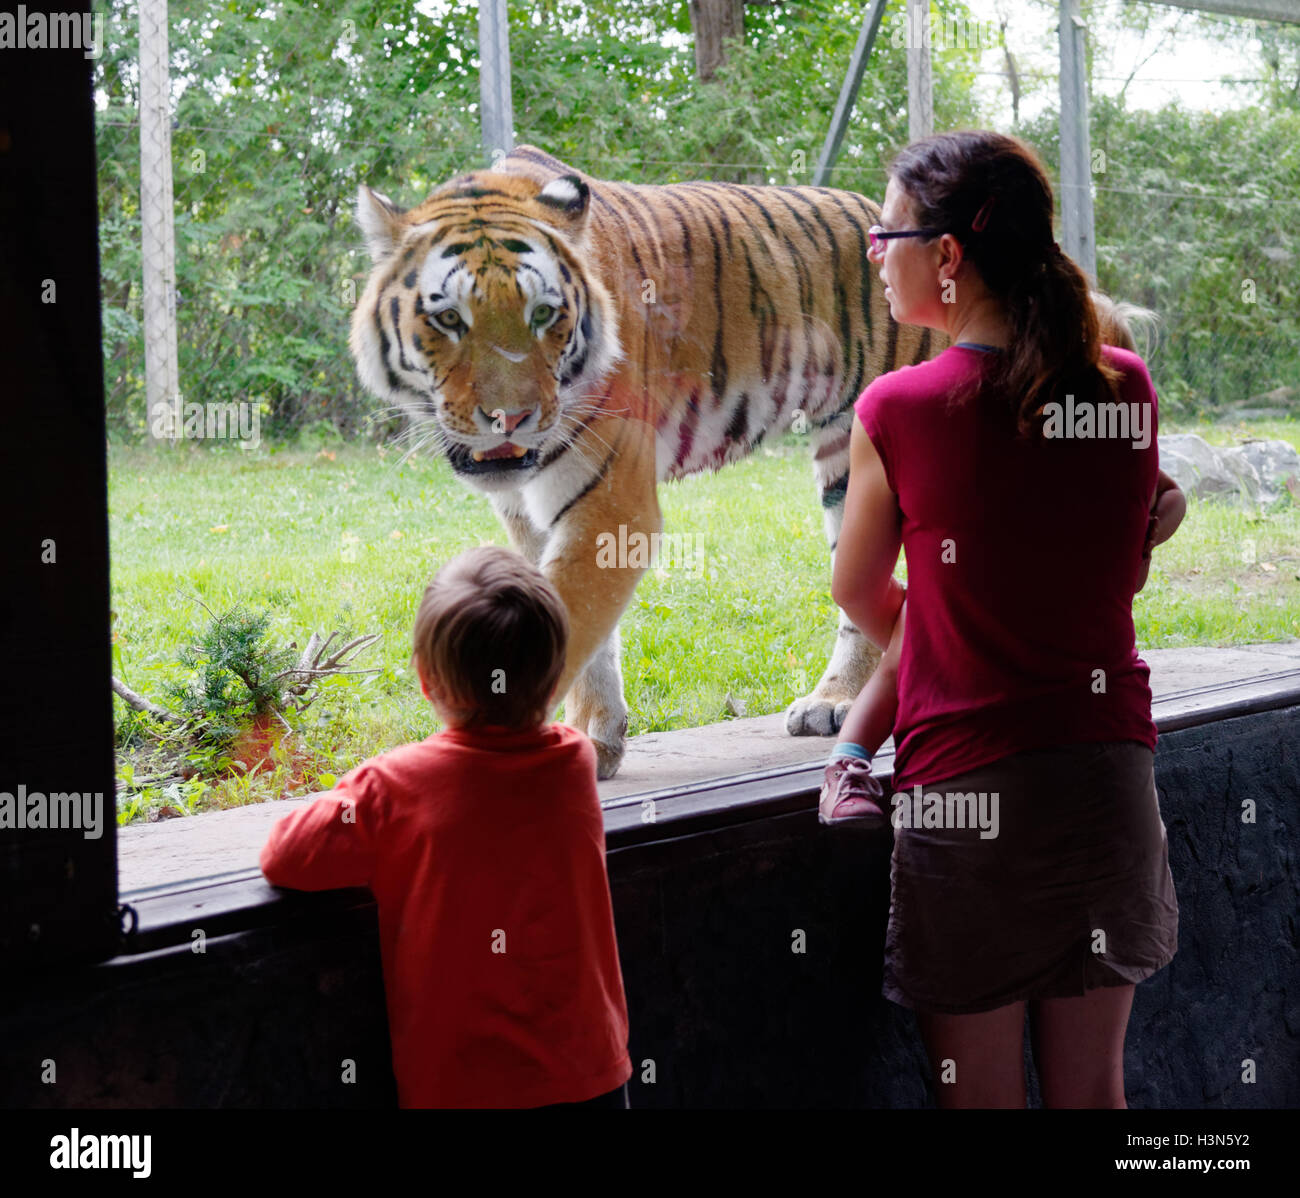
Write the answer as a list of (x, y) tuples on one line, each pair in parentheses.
[(568, 343)]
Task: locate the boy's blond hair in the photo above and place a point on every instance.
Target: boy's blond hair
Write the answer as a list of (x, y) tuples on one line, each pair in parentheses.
[(1120, 321), (492, 633)]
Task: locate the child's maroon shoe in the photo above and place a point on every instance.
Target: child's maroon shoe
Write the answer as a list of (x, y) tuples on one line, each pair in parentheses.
[(850, 794)]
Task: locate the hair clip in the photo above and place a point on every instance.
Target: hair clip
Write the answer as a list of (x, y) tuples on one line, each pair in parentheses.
[(982, 216)]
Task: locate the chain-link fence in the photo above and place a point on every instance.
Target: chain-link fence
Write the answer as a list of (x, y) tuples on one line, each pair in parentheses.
[(279, 110)]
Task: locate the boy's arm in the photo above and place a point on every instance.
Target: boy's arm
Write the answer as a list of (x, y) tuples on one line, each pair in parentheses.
[(327, 844), (1168, 506)]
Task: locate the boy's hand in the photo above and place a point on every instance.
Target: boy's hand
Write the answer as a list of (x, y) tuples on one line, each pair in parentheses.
[(1168, 506)]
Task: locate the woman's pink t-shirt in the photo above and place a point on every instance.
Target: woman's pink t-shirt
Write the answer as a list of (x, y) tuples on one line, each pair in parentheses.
[(1022, 560)]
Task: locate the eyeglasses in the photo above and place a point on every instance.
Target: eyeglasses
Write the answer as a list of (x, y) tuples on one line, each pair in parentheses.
[(879, 238)]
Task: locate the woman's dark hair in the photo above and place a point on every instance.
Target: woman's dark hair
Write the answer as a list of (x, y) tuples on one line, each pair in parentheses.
[(991, 193)]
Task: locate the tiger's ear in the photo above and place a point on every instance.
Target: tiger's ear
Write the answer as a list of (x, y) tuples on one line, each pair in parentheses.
[(568, 195), (378, 217)]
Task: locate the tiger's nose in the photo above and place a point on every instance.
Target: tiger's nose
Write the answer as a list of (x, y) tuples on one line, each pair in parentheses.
[(512, 420)]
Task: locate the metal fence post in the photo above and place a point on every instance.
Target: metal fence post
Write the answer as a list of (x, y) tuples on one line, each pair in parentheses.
[(1077, 232), (920, 86), (496, 106), (158, 251)]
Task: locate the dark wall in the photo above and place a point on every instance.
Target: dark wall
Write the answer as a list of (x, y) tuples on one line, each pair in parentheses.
[(730, 1016), (57, 888)]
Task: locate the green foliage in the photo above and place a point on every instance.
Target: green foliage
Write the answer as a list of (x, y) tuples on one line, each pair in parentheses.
[(1196, 218), (1278, 56), (138, 804), (617, 94), (237, 676), (278, 117), (281, 109)]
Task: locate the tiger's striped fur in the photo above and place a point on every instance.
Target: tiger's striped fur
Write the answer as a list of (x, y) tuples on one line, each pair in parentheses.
[(608, 336)]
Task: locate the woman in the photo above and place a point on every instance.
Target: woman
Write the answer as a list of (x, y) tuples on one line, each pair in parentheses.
[(1037, 870)]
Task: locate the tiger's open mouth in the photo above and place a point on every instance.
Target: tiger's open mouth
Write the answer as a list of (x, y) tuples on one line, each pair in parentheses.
[(506, 456)]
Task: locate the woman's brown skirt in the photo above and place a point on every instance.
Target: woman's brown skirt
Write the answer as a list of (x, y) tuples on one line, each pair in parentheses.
[(1061, 886)]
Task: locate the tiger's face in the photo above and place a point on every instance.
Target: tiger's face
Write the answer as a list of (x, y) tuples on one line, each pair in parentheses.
[(480, 322)]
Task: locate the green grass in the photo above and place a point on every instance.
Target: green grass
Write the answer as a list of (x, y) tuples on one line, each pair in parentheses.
[(348, 538)]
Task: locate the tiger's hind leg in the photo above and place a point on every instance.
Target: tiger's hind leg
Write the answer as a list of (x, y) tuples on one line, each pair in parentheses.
[(853, 658)]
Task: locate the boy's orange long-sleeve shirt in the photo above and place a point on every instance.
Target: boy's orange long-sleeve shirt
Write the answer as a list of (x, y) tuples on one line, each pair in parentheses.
[(485, 852)]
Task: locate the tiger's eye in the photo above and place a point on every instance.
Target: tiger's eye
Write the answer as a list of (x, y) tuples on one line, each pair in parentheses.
[(542, 313), (449, 318)]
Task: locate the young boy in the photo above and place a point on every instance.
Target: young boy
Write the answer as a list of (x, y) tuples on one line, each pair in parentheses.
[(850, 793), (484, 846)]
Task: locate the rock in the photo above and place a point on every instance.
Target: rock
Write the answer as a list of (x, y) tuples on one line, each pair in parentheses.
[(1249, 483), (1275, 462), (1199, 469), (1250, 474)]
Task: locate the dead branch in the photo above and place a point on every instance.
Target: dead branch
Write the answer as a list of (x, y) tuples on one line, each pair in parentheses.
[(140, 703), (360, 643), (297, 680), (310, 653), (313, 664)]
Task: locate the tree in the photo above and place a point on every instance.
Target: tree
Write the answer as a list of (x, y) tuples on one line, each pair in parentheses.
[(714, 23)]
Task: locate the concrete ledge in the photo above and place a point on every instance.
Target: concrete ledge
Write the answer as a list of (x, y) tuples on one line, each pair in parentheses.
[(226, 843)]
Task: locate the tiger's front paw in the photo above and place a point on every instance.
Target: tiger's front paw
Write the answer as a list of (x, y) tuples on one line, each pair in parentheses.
[(816, 716), (608, 758), (609, 738)]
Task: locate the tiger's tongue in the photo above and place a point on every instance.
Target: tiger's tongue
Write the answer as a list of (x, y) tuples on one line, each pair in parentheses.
[(505, 450)]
